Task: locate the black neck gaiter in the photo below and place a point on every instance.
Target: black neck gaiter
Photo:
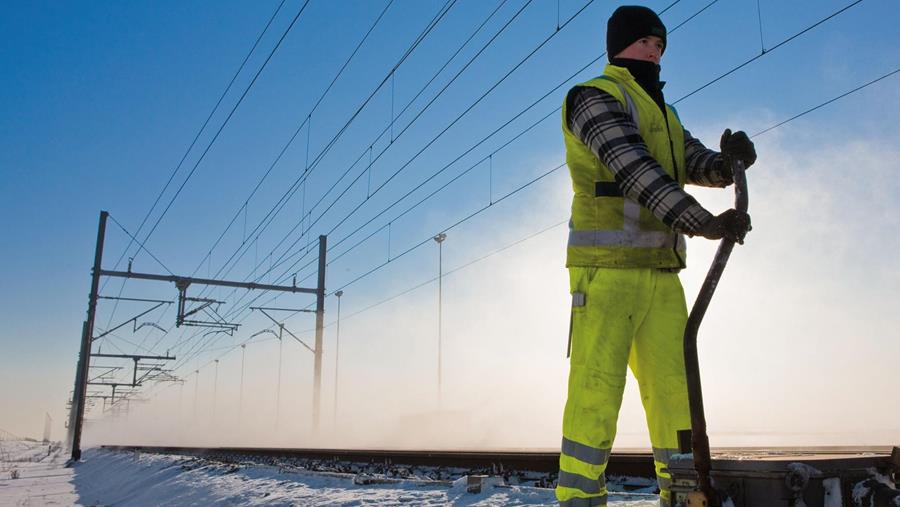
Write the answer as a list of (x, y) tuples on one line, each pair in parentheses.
[(647, 75)]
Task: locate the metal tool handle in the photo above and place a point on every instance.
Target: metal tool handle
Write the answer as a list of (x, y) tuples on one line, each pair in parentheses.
[(699, 438), (741, 199)]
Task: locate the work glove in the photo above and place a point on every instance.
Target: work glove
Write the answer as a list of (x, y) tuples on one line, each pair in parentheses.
[(737, 146), (731, 224)]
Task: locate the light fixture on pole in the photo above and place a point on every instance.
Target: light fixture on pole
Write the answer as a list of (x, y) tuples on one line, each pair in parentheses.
[(337, 351), (439, 239)]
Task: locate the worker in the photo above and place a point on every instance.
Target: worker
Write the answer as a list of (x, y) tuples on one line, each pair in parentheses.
[(629, 158)]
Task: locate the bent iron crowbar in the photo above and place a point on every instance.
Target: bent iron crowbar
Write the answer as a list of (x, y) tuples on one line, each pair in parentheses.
[(699, 438)]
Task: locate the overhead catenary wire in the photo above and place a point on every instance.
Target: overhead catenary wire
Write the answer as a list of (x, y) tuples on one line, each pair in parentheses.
[(141, 245), (258, 266), (291, 140), (412, 101), (225, 122), (441, 133), (282, 201), (200, 131), (267, 220), (461, 115), (350, 185), (666, 8), (434, 22), (768, 51), (692, 16), (829, 101)]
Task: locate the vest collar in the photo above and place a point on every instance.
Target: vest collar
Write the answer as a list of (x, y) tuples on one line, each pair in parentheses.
[(624, 76)]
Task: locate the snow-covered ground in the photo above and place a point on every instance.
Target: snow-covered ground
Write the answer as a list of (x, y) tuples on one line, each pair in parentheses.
[(33, 474)]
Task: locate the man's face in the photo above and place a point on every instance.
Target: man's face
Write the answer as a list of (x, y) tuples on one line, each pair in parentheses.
[(648, 49)]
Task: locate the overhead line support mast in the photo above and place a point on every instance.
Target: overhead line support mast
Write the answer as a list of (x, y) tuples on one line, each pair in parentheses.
[(79, 396)]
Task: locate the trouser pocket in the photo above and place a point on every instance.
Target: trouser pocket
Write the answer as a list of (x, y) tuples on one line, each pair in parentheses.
[(578, 301)]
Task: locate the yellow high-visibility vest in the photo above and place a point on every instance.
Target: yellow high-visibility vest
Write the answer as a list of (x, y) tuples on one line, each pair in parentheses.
[(607, 229)]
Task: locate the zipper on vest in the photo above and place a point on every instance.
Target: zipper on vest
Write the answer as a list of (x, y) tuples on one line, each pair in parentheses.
[(671, 147), (677, 181)]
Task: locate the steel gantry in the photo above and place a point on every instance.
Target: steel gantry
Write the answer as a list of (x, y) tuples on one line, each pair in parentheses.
[(79, 396)]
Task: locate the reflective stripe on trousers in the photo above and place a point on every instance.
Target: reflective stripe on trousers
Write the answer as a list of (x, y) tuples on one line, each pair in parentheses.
[(585, 453), (661, 458), (595, 486), (584, 502)]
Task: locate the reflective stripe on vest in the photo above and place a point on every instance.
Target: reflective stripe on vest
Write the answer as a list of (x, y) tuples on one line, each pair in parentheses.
[(630, 235), (632, 109)]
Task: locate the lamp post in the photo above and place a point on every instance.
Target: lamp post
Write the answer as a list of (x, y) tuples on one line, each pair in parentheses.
[(241, 394), (337, 351), (215, 389), (196, 388), (278, 388), (439, 239)]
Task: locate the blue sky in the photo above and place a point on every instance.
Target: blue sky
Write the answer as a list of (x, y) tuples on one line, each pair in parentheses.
[(102, 99)]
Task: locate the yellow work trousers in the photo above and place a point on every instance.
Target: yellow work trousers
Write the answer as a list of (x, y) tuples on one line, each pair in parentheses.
[(621, 318)]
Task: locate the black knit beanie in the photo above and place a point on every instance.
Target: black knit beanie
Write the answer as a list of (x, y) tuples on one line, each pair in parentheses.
[(629, 23)]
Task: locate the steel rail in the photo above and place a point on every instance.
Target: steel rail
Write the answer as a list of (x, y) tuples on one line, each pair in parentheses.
[(636, 464)]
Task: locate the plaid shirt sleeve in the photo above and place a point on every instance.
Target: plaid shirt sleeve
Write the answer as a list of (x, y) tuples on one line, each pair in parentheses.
[(602, 123), (705, 167)]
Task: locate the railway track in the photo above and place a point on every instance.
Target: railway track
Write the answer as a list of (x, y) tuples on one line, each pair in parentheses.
[(627, 470), (538, 468)]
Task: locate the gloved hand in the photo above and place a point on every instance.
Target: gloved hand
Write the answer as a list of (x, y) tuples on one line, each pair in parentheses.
[(731, 224), (737, 146)]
